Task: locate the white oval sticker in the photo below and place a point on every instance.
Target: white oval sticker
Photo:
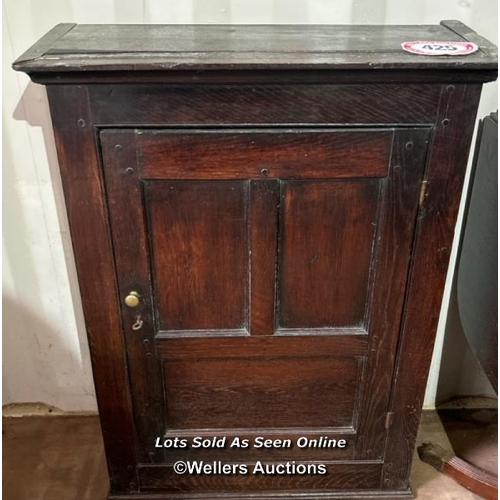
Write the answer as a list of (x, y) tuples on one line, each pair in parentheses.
[(433, 48)]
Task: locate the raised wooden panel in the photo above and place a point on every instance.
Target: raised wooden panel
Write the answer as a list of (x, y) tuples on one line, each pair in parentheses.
[(266, 392), (349, 342), (327, 237), (284, 154), (198, 239)]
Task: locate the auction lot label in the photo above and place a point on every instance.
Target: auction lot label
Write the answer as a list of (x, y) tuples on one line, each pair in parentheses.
[(434, 48)]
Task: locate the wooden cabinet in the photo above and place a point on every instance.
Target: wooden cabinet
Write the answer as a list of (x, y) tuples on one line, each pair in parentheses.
[(262, 219)]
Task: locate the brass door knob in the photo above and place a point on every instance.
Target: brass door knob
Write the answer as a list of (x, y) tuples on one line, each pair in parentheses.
[(132, 299)]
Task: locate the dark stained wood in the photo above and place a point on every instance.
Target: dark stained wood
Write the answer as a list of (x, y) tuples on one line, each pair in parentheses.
[(238, 77), (340, 344), (264, 201), (237, 382), (267, 393), (397, 221), (165, 50), (88, 219), (346, 475), (485, 46), (327, 235), (307, 313), (178, 41), (212, 105), (478, 481), (435, 228), (302, 494), (275, 154), (192, 402), (124, 196), (198, 238), (45, 43)]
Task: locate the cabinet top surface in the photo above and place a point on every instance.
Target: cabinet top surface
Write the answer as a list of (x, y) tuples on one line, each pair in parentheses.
[(86, 48)]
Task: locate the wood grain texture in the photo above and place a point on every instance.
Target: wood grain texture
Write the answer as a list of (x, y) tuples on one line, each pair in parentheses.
[(466, 33), (264, 202), (396, 228), (124, 195), (345, 476), (340, 344), (271, 393), (274, 76), (267, 495), (368, 494), (88, 219), (327, 231), (214, 105), (435, 227), (207, 384), (199, 242), (90, 50), (478, 481), (275, 154), (45, 43), (226, 41)]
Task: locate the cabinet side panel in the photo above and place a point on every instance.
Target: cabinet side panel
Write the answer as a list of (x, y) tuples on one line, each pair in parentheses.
[(435, 227), (88, 219), (390, 273)]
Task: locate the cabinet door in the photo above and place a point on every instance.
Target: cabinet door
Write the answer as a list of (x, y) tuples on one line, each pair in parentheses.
[(271, 268)]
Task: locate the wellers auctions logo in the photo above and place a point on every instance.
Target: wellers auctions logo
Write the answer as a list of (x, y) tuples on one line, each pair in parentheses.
[(262, 468)]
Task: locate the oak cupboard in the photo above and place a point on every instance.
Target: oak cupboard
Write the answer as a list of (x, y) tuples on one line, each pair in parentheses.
[(262, 218)]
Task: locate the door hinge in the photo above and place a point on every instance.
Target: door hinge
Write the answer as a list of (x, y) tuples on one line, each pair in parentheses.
[(423, 193), (388, 419)]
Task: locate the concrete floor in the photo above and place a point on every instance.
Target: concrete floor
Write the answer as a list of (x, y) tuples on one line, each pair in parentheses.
[(62, 458)]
